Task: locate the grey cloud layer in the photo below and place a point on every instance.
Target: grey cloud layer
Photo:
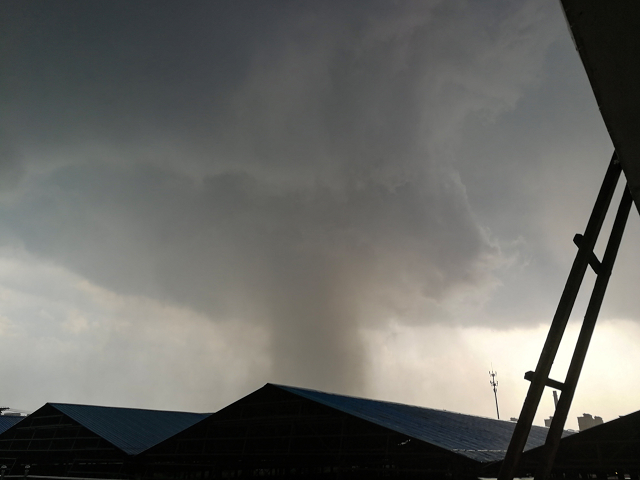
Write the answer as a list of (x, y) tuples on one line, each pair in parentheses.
[(312, 266), (283, 164)]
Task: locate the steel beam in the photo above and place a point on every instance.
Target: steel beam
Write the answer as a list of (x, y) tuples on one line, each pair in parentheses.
[(559, 323), (586, 332)]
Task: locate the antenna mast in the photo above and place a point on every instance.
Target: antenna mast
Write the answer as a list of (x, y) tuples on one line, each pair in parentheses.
[(494, 384)]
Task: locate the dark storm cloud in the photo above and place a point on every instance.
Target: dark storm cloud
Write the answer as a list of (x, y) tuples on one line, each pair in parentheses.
[(11, 165), (284, 164), (312, 265)]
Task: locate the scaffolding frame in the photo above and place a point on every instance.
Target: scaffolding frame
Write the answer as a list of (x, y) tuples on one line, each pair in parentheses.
[(539, 379)]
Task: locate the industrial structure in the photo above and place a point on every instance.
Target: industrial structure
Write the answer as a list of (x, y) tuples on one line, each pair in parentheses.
[(287, 432), (605, 35), (281, 431), (85, 441), (276, 431), (608, 450)]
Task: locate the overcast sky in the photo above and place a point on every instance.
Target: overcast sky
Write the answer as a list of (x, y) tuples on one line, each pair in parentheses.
[(371, 198)]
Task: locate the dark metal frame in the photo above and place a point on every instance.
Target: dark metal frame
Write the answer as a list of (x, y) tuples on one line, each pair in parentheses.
[(540, 378)]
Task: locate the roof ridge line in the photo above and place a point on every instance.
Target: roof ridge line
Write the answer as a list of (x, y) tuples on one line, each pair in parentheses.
[(387, 402)]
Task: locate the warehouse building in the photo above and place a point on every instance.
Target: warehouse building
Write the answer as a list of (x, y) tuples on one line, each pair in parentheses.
[(80, 440), (280, 431), (8, 421)]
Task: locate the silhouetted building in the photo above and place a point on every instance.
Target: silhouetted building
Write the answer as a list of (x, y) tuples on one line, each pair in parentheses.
[(609, 450), (80, 440), (587, 421), (276, 431), (280, 431)]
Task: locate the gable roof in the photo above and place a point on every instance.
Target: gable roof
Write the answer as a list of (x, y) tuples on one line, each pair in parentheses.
[(478, 438), (132, 430), (8, 421)]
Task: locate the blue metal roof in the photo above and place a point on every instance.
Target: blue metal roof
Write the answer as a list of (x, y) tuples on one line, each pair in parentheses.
[(131, 430), (8, 421), (479, 438)]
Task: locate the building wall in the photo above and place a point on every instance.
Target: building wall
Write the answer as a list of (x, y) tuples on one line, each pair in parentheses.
[(53, 444), (276, 434)]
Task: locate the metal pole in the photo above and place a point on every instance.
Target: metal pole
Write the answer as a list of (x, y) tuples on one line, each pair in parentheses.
[(494, 384), (586, 332), (559, 323)]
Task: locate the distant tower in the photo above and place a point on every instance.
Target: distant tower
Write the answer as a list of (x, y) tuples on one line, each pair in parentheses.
[(547, 421), (494, 384)]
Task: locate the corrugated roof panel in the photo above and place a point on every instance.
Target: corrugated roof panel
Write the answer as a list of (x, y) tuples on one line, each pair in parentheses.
[(8, 421), (478, 438), (130, 429)]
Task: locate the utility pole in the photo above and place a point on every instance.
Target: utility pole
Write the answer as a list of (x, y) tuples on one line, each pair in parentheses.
[(494, 384)]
